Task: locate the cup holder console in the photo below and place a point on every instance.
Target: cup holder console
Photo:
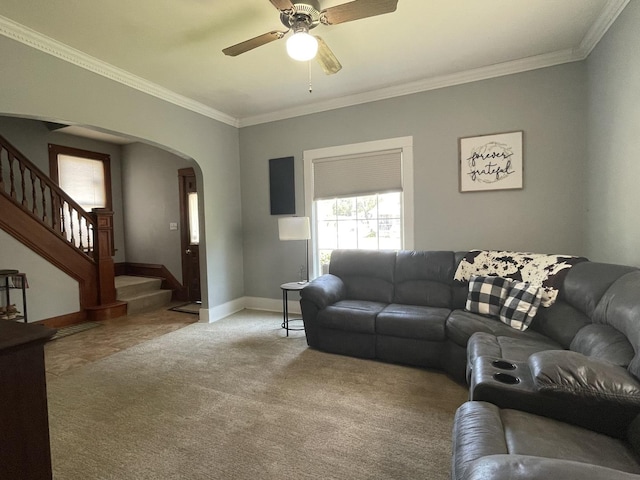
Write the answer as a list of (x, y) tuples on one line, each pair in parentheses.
[(503, 382), (503, 365), (506, 378)]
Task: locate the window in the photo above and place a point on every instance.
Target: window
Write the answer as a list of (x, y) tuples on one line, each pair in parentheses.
[(359, 196), (194, 223), (371, 222), (83, 180), (86, 177)]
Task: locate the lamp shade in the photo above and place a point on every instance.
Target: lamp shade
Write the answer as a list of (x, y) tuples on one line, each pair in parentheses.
[(294, 228)]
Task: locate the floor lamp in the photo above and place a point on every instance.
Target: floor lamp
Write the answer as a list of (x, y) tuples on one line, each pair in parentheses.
[(296, 228)]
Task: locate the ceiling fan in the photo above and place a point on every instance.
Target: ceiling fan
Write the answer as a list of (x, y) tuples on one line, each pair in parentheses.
[(306, 15)]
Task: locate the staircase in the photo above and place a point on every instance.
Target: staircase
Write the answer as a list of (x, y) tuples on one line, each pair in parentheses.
[(40, 215), (141, 293)]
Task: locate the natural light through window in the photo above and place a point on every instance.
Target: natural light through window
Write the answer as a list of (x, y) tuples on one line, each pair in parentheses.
[(83, 180), (359, 196), (371, 222), (194, 226)]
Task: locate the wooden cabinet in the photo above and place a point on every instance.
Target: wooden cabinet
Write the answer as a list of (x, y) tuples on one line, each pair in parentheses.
[(25, 452)]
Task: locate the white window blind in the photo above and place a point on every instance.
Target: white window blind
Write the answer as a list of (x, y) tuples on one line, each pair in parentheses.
[(83, 180), (360, 174)]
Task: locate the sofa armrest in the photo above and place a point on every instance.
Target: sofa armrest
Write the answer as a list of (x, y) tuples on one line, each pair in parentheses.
[(477, 433), (567, 373), (522, 467), (324, 291)]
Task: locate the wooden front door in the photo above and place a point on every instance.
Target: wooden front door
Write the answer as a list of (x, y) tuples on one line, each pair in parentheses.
[(189, 233)]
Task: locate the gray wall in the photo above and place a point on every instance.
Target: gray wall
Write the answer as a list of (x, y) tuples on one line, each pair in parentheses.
[(613, 228), (41, 86), (51, 292), (580, 122), (547, 216), (31, 137), (151, 199)]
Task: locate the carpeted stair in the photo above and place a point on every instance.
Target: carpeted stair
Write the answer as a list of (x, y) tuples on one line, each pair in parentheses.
[(141, 293)]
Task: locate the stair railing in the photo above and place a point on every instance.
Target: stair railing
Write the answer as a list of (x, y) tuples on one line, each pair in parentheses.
[(42, 199)]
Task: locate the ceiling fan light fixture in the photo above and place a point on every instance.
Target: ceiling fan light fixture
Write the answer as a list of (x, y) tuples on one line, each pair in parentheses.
[(301, 46)]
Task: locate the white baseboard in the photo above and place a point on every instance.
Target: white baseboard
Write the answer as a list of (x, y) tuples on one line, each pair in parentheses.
[(213, 314), (210, 315), (271, 304)]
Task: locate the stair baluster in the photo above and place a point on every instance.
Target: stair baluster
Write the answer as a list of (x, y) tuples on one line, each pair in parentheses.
[(12, 192), (59, 215)]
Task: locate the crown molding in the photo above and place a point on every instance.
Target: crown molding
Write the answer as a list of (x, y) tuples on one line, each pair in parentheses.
[(34, 39), (609, 13), (31, 38), (432, 83)]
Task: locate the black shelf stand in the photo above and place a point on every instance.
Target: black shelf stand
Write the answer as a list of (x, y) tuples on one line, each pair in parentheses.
[(10, 280)]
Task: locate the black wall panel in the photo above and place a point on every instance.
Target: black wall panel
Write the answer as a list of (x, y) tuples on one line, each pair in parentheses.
[(282, 186)]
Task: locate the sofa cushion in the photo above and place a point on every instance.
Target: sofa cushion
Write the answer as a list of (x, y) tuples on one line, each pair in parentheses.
[(605, 343), (526, 467), (560, 322), (351, 316), (461, 325), (521, 305), (411, 321), (487, 295), (424, 278), (367, 274), (587, 282), (513, 349), (566, 373), (620, 308), (482, 429), (533, 435)]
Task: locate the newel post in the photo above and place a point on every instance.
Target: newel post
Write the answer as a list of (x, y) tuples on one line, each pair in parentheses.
[(102, 254)]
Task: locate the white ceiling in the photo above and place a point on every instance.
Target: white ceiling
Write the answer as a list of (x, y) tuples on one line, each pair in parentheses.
[(172, 49)]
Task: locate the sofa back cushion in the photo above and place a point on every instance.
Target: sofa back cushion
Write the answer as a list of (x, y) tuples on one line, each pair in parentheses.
[(582, 289), (560, 322), (586, 283), (604, 343), (619, 307), (424, 278), (366, 274)]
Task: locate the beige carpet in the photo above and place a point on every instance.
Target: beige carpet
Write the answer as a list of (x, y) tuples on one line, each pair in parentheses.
[(238, 400), (190, 307)]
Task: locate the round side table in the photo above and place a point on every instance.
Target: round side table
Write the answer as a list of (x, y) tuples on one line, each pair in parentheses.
[(286, 288)]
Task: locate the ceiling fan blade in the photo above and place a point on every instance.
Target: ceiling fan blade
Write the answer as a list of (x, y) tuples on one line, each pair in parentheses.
[(282, 4), (258, 41), (356, 10), (326, 58)]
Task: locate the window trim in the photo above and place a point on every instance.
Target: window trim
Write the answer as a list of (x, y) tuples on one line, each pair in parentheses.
[(403, 143), (55, 150)]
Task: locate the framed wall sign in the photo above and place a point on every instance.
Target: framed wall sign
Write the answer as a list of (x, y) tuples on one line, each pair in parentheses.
[(491, 162)]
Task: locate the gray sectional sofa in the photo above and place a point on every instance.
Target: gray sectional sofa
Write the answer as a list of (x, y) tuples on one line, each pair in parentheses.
[(387, 305), (559, 400)]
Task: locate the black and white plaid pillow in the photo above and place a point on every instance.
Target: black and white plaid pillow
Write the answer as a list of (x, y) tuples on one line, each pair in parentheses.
[(521, 305), (487, 294)]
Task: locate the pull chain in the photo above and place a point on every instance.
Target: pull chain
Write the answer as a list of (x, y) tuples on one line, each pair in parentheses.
[(310, 86)]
